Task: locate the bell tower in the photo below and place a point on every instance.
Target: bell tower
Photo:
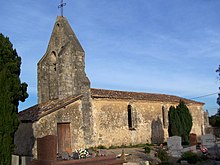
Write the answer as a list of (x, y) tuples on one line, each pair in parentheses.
[(61, 71)]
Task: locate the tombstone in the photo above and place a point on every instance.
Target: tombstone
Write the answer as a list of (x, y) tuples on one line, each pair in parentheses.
[(191, 148), (183, 162), (47, 148), (14, 160), (25, 160), (192, 139), (208, 140), (46, 151), (174, 146)]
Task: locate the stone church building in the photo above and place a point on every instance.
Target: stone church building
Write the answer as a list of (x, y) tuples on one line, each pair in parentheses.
[(81, 116)]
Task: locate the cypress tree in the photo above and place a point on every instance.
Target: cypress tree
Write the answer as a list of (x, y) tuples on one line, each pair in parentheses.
[(11, 92), (180, 121), (174, 128), (185, 120)]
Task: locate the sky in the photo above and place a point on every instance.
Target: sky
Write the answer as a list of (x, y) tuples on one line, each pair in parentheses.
[(154, 46)]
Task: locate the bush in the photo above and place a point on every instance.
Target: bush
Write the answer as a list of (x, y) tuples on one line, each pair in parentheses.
[(191, 157), (214, 121), (113, 147), (162, 155), (185, 143), (147, 150)]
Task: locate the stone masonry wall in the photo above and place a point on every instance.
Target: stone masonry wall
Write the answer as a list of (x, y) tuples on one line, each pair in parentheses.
[(48, 125), (198, 119), (111, 121), (61, 71)]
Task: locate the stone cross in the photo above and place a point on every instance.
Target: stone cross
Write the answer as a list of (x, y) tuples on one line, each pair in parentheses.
[(61, 5)]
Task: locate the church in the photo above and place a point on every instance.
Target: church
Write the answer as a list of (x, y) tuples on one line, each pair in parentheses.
[(81, 116)]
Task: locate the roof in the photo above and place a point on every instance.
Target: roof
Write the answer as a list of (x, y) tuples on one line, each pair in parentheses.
[(35, 112), (113, 94)]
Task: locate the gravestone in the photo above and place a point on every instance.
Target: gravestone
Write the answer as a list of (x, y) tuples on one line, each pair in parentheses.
[(191, 148), (14, 160), (25, 160), (208, 140), (46, 151), (174, 146), (47, 148), (192, 139)]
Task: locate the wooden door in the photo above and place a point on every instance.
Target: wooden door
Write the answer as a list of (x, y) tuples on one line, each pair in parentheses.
[(64, 138)]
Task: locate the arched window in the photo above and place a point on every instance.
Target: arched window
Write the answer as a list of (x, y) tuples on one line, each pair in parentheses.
[(165, 117), (53, 77), (130, 126), (53, 59)]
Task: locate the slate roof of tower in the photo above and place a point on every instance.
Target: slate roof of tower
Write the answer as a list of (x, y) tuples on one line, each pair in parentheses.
[(37, 111)]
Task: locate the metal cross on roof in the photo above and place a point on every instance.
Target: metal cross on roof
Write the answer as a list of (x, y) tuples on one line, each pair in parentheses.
[(61, 5)]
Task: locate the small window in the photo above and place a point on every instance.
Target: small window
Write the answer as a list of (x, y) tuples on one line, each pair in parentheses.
[(130, 117), (53, 59), (165, 117)]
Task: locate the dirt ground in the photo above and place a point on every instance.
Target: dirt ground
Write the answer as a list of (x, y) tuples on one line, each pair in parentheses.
[(137, 155)]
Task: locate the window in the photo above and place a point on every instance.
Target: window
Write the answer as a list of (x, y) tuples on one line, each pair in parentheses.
[(53, 60), (165, 117), (130, 117)]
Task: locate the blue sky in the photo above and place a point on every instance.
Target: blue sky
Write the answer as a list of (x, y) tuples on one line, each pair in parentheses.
[(156, 46)]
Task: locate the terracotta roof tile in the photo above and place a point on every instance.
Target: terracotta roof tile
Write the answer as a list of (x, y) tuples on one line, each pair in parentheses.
[(113, 94), (37, 111)]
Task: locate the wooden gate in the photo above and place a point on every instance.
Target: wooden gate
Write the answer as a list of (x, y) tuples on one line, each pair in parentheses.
[(64, 138)]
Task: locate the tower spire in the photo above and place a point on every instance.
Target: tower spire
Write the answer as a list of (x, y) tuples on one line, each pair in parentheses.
[(61, 5)]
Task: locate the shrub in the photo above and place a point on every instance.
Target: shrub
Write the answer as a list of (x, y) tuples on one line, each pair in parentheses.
[(147, 150), (113, 147), (191, 157), (162, 155)]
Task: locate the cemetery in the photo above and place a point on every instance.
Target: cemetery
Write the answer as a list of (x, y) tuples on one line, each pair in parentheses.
[(74, 124), (172, 152)]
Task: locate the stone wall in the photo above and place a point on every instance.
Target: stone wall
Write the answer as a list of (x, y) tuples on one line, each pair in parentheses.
[(111, 121), (24, 139), (198, 119), (48, 125), (61, 71)]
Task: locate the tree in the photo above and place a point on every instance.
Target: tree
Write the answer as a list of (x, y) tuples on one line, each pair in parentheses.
[(185, 120), (173, 128), (11, 92), (180, 121), (218, 99), (214, 120)]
